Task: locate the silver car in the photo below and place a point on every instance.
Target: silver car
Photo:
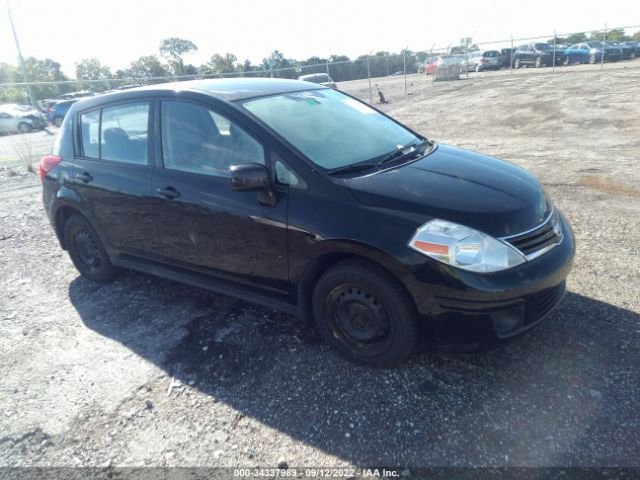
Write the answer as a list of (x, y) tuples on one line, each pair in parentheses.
[(20, 118), (482, 60)]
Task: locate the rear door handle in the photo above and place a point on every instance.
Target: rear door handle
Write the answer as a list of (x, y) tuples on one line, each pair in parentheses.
[(85, 177), (168, 192)]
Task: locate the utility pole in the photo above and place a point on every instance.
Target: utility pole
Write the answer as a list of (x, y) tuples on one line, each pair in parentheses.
[(32, 99)]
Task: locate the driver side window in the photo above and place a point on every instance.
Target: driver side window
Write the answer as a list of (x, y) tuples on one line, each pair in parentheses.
[(196, 139)]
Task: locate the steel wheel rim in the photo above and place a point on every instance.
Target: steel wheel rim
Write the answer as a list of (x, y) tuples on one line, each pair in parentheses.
[(358, 319), (87, 249)]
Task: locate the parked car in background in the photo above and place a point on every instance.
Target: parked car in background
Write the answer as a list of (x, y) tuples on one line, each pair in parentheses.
[(432, 64), (20, 118), (77, 95), (536, 55), (57, 112), (481, 60), (591, 52), (301, 198), (320, 79), (636, 48), (627, 51), (506, 57)]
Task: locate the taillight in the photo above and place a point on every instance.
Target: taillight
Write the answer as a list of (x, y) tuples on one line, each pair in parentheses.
[(47, 163)]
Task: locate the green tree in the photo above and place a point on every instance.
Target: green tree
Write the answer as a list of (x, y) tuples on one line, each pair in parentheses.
[(616, 35), (247, 68), (226, 63), (145, 67), (92, 69), (173, 49), (576, 38), (278, 61)]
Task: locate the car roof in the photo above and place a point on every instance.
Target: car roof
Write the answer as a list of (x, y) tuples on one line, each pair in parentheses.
[(227, 89), (230, 89)]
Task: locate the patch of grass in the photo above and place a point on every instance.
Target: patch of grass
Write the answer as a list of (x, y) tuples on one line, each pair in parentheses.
[(24, 151), (609, 186)]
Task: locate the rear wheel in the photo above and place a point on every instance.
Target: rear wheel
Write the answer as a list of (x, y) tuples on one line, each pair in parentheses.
[(24, 127), (86, 250), (365, 313)]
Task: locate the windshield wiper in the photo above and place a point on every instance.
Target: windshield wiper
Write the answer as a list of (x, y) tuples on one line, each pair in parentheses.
[(405, 152), (354, 167)]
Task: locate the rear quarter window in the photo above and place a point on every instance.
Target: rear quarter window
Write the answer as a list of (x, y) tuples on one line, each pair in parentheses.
[(90, 132)]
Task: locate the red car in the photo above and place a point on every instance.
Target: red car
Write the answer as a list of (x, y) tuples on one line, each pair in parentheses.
[(432, 64)]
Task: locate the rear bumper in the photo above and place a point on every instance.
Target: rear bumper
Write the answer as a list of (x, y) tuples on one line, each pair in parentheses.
[(480, 310)]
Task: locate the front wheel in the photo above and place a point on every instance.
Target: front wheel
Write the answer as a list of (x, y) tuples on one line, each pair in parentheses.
[(86, 250), (365, 313), (24, 127)]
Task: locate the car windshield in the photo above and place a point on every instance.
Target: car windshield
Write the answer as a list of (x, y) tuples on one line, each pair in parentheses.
[(595, 44), (332, 129)]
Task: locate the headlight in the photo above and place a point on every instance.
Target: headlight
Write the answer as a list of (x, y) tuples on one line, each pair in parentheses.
[(464, 247)]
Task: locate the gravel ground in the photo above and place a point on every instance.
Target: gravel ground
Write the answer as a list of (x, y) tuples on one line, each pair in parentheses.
[(145, 371)]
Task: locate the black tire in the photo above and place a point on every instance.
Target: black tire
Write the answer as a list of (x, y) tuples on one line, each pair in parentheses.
[(57, 120), (86, 250), (24, 127), (365, 314)]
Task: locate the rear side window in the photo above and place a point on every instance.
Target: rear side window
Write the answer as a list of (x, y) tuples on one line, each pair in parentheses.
[(90, 127), (491, 54), (124, 133)]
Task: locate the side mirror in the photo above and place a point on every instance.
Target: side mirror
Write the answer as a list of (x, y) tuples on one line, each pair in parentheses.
[(249, 177)]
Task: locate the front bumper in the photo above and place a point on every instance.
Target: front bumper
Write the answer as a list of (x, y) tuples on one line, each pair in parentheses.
[(472, 310)]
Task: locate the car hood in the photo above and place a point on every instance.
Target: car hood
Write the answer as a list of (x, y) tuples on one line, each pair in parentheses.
[(461, 186)]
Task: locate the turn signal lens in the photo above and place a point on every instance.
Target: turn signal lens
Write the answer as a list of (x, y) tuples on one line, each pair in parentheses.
[(464, 247)]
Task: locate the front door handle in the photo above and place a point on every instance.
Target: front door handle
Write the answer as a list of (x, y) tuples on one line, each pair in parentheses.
[(168, 192), (85, 177)]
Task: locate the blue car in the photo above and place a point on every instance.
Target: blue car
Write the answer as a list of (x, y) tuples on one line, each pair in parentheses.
[(591, 52), (58, 111)]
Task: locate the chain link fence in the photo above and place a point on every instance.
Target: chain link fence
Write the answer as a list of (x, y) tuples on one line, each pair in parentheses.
[(27, 133)]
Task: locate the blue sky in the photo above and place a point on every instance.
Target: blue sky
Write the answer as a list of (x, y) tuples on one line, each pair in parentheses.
[(118, 31)]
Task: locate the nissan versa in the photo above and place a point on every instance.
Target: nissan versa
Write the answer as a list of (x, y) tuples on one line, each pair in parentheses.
[(302, 198)]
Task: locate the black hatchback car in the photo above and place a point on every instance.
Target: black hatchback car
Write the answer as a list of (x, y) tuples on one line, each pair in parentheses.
[(302, 198)]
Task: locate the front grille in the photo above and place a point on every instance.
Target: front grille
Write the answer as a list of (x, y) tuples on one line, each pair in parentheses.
[(533, 242), (541, 303)]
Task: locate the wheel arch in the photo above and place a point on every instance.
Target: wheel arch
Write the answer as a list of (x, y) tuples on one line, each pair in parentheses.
[(67, 203), (334, 252)]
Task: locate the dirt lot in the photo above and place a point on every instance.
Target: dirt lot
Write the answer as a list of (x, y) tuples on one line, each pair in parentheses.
[(149, 372)]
